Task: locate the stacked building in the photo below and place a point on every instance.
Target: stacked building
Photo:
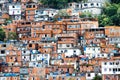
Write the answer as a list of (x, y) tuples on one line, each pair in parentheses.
[(66, 49)]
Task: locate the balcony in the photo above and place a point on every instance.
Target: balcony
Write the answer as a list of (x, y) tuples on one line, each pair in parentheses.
[(67, 35), (73, 29), (103, 36), (44, 31), (10, 74), (48, 39), (23, 31), (24, 24), (66, 42), (31, 9), (31, 6), (57, 31), (3, 1), (2, 55), (23, 71)]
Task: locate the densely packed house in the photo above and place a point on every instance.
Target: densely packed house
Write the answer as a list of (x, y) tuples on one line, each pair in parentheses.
[(67, 49)]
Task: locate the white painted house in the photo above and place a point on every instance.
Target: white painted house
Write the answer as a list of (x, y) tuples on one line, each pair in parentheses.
[(3, 1), (92, 6), (92, 51), (45, 14), (90, 76), (15, 10), (39, 60), (69, 52), (111, 67)]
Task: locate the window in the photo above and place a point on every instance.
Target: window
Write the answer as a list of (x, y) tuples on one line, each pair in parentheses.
[(92, 4), (67, 45), (28, 11), (9, 29), (70, 4), (60, 45), (118, 69), (24, 51), (13, 6), (97, 4), (85, 4), (114, 69), (110, 63), (61, 51), (69, 26), (91, 34), (54, 78), (117, 63), (4, 45), (65, 50), (110, 69), (29, 6), (45, 35), (77, 6), (30, 45), (28, 23), (102, 54), (98, 55), (2, 51), (105, 69), (10, 57), (33, 6), (41, 12), (88, 74), (43, 27), (113, 63), (74, 51), (28, 17), (22, 23), (81, 6), (105, 63)]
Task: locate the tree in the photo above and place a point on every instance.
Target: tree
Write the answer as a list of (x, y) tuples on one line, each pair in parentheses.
[(110, 15), (62, 14), (12, 36), (110, 10), (116, 19), (115, 1), (104, 21), (86, 15), (118, 11), (2, 34), (58, 4), (97, 77)]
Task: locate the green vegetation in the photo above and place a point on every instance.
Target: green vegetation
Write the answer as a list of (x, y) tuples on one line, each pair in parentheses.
[(97, 77), (2, 34), (70, 79), (58, 4), (12, 36), (8, 21), (86, 15), (62, 14), (115, 1), (110, 15)]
